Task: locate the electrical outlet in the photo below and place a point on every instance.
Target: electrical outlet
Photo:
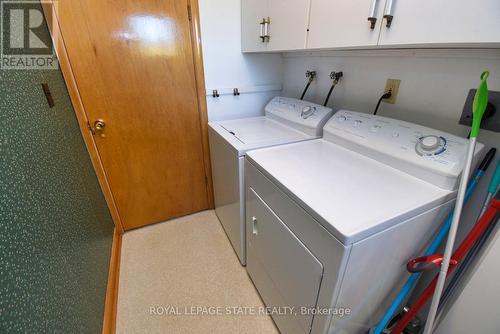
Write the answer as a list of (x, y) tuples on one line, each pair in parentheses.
[(393, 86)]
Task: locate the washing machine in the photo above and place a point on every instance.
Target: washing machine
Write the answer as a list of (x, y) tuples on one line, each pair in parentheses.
[(332, 222), (286, 120)]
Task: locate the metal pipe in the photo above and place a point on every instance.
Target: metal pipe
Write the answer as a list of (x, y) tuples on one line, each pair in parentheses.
[(335, 76), (311, 75), (451, 238)]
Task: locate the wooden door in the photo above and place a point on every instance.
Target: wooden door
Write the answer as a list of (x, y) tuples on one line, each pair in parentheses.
[(252, 14), (133, 65), (344, 23), (288, 27), (443, 23)]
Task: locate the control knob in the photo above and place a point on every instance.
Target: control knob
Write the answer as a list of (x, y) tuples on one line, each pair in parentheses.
[(430, 145), (307, 112)]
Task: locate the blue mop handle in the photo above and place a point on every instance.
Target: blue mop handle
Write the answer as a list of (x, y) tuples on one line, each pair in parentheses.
[(495, 181), (405, 290), (492, 189)]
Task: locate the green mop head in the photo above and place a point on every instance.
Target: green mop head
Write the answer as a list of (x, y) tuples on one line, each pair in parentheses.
[(479, 105)]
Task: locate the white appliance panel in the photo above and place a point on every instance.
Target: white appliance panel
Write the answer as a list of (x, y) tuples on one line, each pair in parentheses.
[(302, 115), (227, 178), (334, 183), (332, 254), (429, 154), (276, 249)]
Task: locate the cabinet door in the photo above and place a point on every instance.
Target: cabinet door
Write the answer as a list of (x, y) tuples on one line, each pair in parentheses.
[(344, 23), (442, 22), (288, 27), (252, 14)]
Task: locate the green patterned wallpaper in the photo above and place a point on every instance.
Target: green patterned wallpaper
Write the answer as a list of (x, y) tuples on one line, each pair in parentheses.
[(55, 228)]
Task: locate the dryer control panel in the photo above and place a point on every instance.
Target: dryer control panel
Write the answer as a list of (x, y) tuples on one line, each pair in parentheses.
[(432, 155), (305, 116)]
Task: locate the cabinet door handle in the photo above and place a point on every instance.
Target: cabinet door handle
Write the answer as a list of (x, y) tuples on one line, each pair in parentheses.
[(388, 15), (262, 25), (371, 16), (255, 230), (267, 22)]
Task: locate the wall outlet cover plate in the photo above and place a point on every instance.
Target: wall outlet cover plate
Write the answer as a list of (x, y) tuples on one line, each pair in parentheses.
[(393, 86), (491, 123)]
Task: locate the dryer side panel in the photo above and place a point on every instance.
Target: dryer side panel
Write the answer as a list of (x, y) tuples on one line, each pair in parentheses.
[(227, 177), (376, 270)]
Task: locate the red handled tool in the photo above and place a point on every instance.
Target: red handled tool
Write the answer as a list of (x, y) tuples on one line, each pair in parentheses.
[(428, 262)]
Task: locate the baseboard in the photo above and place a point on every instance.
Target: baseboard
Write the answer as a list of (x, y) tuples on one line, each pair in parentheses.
[(110, 304)]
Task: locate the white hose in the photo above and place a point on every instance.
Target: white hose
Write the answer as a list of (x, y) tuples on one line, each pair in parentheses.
[(451, 238)]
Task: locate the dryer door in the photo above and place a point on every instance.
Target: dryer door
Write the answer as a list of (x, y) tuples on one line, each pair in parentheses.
[(286, 274)]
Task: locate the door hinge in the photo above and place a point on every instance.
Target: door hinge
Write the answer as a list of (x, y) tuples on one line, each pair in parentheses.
[(189, 13)]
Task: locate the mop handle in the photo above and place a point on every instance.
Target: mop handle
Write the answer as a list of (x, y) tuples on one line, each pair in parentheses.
[(471, 255), (495, 181), (492, 188), (451, 239), (478, 108), (489, 217), (410, 282)]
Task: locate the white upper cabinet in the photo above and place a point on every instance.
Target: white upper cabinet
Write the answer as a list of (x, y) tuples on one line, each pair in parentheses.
[(282, 25), (273, 25), (442, 23), (344, 23), (288, 24), (253, 12)]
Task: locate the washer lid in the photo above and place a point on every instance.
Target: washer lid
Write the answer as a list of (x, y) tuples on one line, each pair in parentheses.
[(259, 130), (256, 132), (351, 195)]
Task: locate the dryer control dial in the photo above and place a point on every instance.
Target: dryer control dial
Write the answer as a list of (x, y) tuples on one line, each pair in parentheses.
[(307, 112), (430, 145)]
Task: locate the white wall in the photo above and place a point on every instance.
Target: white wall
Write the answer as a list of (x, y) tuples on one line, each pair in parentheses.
[(433, 89), (226, 67), (476, 309)]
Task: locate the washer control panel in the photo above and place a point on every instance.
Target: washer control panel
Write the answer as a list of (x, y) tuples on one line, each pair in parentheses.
[(430, 145), (303, 115), (433, 155)]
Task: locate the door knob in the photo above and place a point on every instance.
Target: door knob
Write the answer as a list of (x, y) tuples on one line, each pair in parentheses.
[(98, 127)]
